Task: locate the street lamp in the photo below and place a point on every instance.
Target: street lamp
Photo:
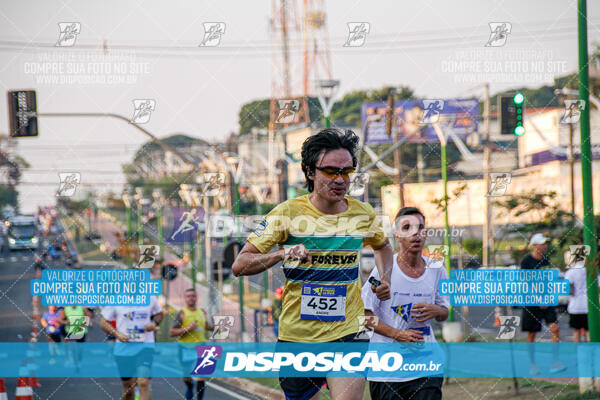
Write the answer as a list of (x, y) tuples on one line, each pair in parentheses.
[(326, 91)]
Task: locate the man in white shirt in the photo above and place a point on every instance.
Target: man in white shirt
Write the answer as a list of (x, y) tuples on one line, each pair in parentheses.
[(578, 302), (406, 317), (134, 350)]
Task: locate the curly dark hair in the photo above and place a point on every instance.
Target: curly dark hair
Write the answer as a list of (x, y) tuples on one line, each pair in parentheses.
[(322, 143)]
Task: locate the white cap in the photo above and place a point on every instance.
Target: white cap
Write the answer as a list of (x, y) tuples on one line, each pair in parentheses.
[(538, 238)]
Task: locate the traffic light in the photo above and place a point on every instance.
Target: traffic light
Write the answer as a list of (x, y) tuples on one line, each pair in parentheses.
[(22, 113), (511, 114)]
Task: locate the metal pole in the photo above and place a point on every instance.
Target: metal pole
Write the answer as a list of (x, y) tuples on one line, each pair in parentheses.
[(241, 278), (160, 230), (129, 222), (192, 243), (586, 176), (572, 171), (140, 225), (389, 127), (486, 177), (165, 146), (446, 224)]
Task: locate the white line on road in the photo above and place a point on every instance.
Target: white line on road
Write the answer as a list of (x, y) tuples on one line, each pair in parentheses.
[(13, 259), (212, 385), (226, 391)]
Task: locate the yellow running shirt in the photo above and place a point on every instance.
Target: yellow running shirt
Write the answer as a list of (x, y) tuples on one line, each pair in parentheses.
[(322, 297), (198, 334)]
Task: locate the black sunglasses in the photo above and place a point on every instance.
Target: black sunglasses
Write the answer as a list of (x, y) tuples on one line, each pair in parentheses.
[(333, 172)]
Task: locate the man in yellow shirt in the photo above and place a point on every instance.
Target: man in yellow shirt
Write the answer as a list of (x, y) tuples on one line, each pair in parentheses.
[(321, 234), (190, 325)]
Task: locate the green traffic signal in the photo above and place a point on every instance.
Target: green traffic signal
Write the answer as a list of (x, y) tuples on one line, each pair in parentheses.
[(519, 98), (519, 130)]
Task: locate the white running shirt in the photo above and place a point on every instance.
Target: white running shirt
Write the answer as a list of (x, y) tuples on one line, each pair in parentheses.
[(131, 321), (406, 292)]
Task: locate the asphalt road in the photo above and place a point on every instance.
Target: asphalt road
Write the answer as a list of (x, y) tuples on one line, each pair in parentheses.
[(16, 271)]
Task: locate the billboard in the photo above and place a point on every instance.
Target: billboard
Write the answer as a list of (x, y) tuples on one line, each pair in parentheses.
[(416, 116)]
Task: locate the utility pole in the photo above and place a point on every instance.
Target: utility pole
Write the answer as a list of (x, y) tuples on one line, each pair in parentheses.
[(589, 230), (486, 176), (572, 171), (389, 127)]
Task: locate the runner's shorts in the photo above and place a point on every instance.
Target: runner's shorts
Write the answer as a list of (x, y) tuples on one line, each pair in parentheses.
[(137, 365), (429, 388), (578, 321), (532, 318), (304, 388)]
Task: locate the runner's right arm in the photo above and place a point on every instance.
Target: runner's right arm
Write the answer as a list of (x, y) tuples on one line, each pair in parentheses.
[(251, 261), (108, 328), (256, 257)]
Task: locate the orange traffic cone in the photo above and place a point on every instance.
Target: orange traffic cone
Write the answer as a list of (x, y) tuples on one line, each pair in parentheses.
[(497, 312), (3, 395), (24, 391), (32, 366)]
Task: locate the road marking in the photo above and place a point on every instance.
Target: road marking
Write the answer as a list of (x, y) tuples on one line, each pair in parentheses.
[(212, 385), (226, 391), (26, 258), (13, 259)]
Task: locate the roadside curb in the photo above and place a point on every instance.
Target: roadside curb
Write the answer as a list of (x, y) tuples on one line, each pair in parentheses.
[(252, 388)]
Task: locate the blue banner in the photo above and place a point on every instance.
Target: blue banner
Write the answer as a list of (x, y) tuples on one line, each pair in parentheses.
[(96, 287), (416, 117), (371, 360), (504, 287)]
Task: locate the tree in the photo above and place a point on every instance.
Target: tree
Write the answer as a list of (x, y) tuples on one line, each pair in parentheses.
[(549, 218), (255, 114)]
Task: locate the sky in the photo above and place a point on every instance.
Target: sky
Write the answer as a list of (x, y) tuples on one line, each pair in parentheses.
[(436, 48)]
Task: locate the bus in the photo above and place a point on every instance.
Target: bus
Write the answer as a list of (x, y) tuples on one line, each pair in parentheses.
[(22, 232)]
